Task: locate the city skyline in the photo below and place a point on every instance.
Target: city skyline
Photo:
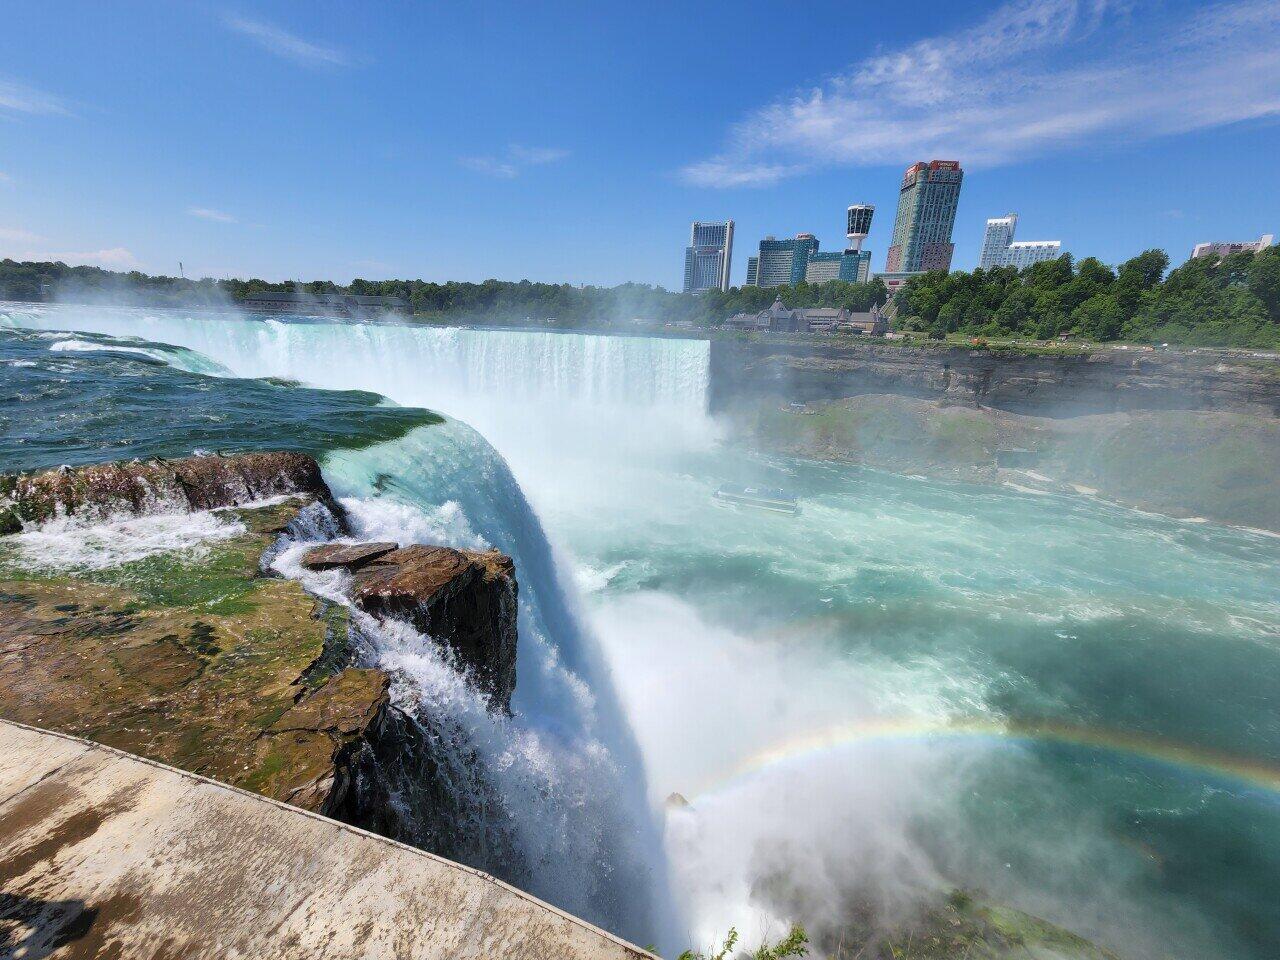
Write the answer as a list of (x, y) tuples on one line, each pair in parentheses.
[(332, 141)]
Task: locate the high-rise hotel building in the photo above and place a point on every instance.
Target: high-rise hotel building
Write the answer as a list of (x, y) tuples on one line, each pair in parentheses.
[(999, 249), (927, 201), (709, 256)]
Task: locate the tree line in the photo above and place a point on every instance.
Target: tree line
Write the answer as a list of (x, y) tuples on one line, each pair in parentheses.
[(493, 301), (1208, 301)]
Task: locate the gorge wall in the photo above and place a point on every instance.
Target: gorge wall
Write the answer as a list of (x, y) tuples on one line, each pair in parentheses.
[(1064, 383)]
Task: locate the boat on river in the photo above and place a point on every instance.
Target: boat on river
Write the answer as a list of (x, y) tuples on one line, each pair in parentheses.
[(773, 499)]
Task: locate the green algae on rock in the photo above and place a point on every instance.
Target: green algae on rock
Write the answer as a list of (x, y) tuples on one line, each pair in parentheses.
[(206, 665), (185, 650), (967, 928)]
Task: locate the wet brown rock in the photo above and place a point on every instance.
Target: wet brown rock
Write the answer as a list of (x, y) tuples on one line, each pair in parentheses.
[(352, 556), (462, 598), (159, 486)]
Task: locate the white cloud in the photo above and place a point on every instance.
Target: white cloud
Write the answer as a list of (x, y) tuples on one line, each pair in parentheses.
[(282, 43), (726, 172), (536, 155), (208, 213), (19, 98), (514, 160), (1034, 76), (491, 166), (16, 235)]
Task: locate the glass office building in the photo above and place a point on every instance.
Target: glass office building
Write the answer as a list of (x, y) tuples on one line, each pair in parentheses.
[(782, 262), (853, 266)]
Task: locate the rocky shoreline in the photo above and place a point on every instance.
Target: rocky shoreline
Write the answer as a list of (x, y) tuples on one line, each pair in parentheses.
[(206, 660)]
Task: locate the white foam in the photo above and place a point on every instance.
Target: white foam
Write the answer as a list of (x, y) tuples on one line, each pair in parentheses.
[(1021, 489), (593, 580), (548, 789), (87, 346), (69, 543)]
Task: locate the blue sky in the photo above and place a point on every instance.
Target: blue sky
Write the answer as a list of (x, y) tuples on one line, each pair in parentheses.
[(575, 141)]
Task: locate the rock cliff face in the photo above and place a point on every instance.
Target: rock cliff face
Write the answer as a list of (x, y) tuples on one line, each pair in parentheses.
[(464, 599), (196, 658), (1046, 384)]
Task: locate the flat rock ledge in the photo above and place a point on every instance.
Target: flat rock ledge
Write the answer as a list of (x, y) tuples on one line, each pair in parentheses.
[(201, 662), (337, 556), (462, 598), (142, 487)]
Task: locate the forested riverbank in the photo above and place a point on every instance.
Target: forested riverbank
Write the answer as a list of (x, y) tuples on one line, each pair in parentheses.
[(1232, 301)]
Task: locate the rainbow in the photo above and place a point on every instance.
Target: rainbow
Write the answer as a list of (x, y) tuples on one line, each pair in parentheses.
[(1251, 773)]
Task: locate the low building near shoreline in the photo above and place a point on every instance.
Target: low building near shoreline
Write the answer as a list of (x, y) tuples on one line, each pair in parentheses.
[(780, 319), (322, 304)]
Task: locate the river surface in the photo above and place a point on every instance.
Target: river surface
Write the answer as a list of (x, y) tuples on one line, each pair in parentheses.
[(911, 686)]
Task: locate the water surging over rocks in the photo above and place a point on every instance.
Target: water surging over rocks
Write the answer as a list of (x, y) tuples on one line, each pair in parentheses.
[(157, 486)]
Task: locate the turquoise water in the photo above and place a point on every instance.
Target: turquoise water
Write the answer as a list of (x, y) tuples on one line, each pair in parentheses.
[(796, 679), (113, 399), (908, 605)]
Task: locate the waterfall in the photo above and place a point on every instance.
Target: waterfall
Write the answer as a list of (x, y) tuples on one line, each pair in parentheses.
[(556, 793), (444, 368)]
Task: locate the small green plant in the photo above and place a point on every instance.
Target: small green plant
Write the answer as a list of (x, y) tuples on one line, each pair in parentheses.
[(795, 944), (730, 941)]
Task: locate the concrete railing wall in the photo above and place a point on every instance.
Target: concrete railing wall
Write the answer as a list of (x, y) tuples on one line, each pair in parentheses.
[(106, 854)]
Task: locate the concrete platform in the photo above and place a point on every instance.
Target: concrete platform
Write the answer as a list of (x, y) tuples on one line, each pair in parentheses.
[(103, 854)]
